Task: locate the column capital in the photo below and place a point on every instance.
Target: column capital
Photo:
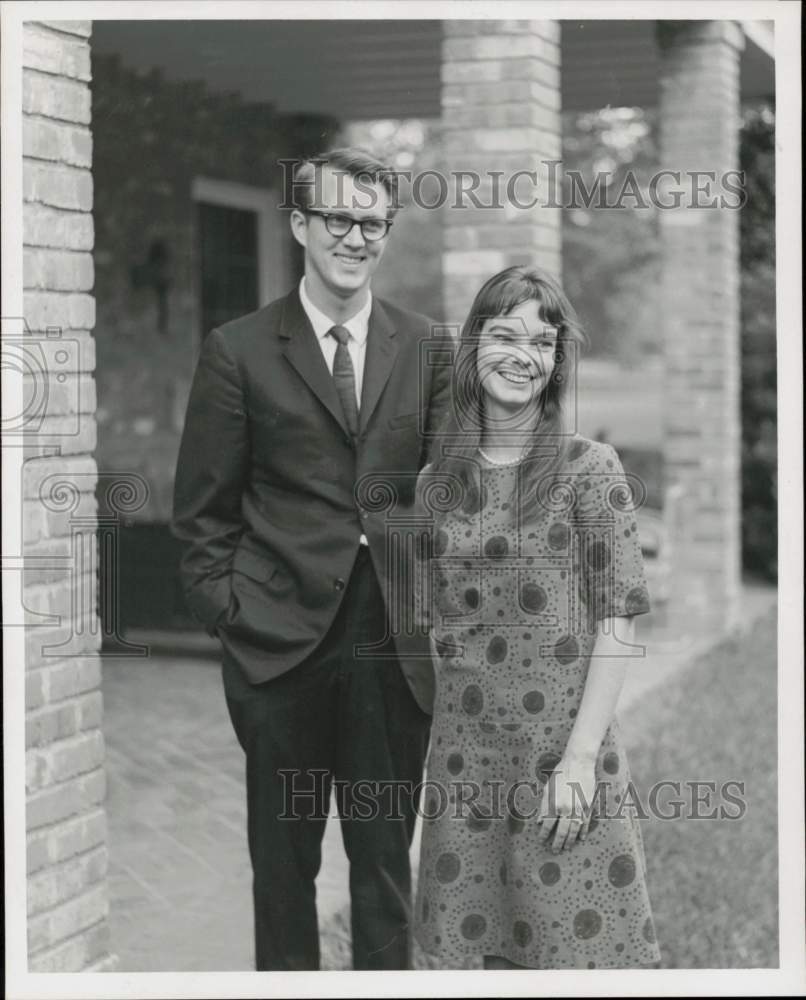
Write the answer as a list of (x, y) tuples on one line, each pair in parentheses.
[(673, 34), (462, 28)]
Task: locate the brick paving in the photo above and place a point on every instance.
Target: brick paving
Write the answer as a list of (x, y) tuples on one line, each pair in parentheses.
[(179, 870), (179, 874)]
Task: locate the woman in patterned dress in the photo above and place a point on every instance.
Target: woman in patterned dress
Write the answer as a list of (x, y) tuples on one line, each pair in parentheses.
[(531, 852)]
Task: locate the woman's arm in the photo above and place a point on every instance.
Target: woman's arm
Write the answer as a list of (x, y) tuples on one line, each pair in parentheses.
[(572, 785), (606, 673)]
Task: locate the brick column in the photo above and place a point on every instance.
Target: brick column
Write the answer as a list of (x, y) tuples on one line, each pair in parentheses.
[(65, 782), (500, 112), (699, 307)]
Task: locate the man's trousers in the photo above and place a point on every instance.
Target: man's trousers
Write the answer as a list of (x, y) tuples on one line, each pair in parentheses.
[(337, 720)]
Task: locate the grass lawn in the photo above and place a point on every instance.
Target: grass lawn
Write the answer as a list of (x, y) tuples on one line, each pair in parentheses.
[(713, 883)]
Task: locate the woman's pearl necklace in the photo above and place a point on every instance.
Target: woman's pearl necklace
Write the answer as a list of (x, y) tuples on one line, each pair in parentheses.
[(503, 465)]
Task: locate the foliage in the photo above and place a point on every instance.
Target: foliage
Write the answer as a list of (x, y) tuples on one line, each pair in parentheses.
[(611, 256), (759, 382), (611, 264), (412, 268)]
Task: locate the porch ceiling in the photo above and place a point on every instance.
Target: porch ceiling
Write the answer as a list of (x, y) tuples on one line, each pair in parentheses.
[(389, 69)]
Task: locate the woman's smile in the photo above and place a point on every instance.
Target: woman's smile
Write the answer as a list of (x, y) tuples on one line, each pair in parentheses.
[(516, 376), (515, 357)]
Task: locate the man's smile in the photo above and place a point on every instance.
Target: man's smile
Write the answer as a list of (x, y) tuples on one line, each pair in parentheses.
[(351, 260)]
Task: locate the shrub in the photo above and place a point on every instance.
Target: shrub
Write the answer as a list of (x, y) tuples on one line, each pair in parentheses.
[(759, 382)]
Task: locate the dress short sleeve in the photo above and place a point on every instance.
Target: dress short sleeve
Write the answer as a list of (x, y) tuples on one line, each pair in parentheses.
[(613, 581)]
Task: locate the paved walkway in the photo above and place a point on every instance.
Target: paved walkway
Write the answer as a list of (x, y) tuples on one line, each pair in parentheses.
[(179, 868)]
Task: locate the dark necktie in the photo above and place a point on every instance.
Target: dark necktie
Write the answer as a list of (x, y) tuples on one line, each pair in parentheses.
[(344, 377)]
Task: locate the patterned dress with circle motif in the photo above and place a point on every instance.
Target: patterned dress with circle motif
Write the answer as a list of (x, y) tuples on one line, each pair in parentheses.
[(514, 616)]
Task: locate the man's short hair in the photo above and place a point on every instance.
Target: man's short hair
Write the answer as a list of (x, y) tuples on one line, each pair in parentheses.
[(352, 160)]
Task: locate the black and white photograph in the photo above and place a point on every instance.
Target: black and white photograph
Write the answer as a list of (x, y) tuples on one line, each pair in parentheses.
[(402, 499)]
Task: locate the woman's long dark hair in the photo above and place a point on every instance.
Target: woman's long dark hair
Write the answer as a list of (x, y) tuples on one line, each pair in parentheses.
[(454, 453)]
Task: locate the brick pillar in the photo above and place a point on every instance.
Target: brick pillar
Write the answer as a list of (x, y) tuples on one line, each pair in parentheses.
[(65, 781), (500, 112), (699, 307)]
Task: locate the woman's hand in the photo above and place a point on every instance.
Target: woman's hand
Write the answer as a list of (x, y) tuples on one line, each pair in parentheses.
[(565, 809), (571, 786)]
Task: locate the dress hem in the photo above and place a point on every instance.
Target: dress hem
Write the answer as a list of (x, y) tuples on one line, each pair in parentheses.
[(518, 960)]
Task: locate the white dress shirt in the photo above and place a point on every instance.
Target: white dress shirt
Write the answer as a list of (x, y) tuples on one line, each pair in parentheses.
[(358, 327)]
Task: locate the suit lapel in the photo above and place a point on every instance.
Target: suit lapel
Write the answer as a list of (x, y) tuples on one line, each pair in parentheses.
[(379, 360), (304, 353)]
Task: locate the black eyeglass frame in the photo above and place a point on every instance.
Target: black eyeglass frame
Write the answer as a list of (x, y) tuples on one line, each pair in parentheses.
[(327, 216)]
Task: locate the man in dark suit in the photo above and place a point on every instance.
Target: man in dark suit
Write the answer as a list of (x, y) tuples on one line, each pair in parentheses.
[(307, 423)]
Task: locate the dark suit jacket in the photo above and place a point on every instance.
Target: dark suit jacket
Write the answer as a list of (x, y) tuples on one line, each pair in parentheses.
[(271, 493)]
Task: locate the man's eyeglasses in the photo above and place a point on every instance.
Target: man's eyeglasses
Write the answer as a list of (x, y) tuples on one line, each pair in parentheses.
[(341, 225)]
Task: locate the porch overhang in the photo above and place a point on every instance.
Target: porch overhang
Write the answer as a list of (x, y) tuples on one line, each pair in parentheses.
[(358, 70)]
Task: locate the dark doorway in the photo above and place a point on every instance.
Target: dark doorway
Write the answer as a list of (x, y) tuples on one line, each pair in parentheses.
[(151, 600), (229, 264)]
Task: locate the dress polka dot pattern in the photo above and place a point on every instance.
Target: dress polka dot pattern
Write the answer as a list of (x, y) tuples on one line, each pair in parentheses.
[(514, 617)]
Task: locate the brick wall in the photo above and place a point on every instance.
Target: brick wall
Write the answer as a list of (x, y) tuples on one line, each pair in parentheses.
[(501, 112), (66, 828), (699, 307), (152, 137)]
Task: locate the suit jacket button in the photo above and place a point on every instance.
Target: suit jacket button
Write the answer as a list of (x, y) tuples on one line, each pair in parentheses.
[(338, 584)]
